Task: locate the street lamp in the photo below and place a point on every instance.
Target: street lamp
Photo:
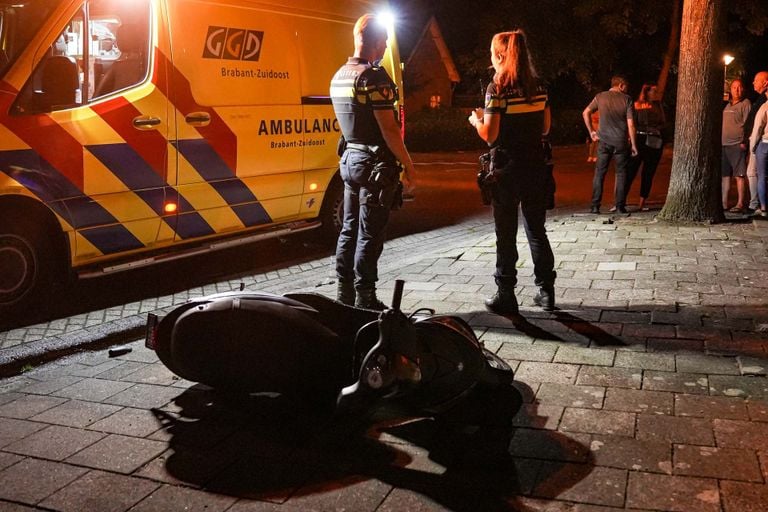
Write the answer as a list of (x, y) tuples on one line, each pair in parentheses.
[(727, 59)]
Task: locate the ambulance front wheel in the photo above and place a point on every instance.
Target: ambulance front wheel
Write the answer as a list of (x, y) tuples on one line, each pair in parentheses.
[(332, 212), (27, 256)]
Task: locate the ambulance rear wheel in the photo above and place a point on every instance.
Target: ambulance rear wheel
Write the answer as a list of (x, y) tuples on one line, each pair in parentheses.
[(332, 212), (26, 256)]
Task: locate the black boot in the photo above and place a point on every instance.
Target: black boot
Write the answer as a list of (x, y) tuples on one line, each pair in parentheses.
[(545, 298), (345, 293), (366, 298), (503, 302)]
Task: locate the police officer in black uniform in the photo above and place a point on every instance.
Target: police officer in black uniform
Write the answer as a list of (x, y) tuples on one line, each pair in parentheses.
[(364, 99), (515, 122)]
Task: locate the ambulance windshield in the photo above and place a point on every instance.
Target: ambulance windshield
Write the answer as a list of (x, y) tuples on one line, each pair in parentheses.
[(19, 22)]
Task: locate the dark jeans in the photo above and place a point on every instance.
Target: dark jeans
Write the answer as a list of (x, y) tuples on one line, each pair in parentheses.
[(604, 154), (649, 159), (364, 229), (522, 189), (761, 156)]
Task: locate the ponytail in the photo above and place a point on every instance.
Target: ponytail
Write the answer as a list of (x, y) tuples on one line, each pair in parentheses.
[(516, 69)]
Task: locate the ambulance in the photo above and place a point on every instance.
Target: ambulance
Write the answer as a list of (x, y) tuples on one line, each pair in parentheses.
[(137, 131)]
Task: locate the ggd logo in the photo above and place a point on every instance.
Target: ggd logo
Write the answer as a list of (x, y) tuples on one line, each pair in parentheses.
[(232, 44)]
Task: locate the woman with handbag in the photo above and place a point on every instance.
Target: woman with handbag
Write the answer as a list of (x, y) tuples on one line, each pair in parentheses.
[(515, 119), (650, 122)]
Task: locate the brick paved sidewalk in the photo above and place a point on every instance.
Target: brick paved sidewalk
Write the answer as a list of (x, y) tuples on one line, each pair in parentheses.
[(646, 390)]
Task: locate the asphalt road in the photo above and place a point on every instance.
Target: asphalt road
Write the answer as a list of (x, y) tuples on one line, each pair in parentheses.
[(447, 193)]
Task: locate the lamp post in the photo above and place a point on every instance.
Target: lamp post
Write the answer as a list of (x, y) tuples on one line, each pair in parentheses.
[(727, 59)]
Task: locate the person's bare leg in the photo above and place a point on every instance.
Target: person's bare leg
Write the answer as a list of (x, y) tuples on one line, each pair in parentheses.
[(726, 189), (741, 189)]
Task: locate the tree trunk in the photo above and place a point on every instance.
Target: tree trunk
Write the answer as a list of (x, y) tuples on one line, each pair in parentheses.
[(694, 187), (672, 43)]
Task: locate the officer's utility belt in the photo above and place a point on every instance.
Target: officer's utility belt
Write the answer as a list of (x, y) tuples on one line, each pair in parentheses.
[(386, 172), (380, 152), (495, 164)]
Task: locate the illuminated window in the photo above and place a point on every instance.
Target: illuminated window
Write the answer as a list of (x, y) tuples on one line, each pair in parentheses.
[(434, 101)]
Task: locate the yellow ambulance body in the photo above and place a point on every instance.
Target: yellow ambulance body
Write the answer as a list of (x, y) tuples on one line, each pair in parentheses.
[(133, 131)]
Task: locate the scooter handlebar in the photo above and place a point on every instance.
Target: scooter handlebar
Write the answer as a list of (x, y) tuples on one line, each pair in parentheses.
[(397, 295)]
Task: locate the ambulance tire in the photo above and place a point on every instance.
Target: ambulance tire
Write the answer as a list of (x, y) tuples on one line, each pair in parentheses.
[(332, 212), (27, 257)]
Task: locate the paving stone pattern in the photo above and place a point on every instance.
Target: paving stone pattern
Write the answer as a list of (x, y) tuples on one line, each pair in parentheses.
[(641, 392)]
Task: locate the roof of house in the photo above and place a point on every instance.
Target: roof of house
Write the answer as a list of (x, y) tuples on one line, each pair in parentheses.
[(432, 31)]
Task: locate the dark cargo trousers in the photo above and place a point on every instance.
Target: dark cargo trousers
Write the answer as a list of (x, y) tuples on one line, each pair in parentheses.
[(363, 231), (526, 191)]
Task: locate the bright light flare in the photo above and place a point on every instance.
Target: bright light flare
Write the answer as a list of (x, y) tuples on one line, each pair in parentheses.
[(728, 59), (387, 18), (313, 186), (170, 207)]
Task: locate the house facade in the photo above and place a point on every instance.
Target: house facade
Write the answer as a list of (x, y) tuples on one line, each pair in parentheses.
[(430, 74)]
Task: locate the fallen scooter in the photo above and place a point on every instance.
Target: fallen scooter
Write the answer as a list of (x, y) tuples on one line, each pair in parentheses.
[(322, 352)]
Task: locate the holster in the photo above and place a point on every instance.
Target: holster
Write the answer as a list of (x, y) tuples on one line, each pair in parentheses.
[(492, 165), (384, 188), (341, 146), (486, 179)]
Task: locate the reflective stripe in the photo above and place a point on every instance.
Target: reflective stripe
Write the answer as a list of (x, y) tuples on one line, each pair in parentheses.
[(214, 157), (128, 165), (112, 239), (87, 213), (342, 92), (214, 171), (525, 108), (37, 176), (151, 145), (46, 137), (60, 195), (220, 136), (494, 103), (506, 104), (191, 223), (53, 167), (538, 98), (134, 171)]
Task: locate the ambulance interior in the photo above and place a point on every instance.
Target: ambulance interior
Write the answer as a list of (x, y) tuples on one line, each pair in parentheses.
[(103, 49)]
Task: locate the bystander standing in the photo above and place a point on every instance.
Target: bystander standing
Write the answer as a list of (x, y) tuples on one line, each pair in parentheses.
[(616, 137), (735, 140)]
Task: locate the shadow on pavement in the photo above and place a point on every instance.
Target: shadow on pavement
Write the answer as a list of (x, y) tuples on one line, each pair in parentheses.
[(588, 330), (568, 321), (266, 448)]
